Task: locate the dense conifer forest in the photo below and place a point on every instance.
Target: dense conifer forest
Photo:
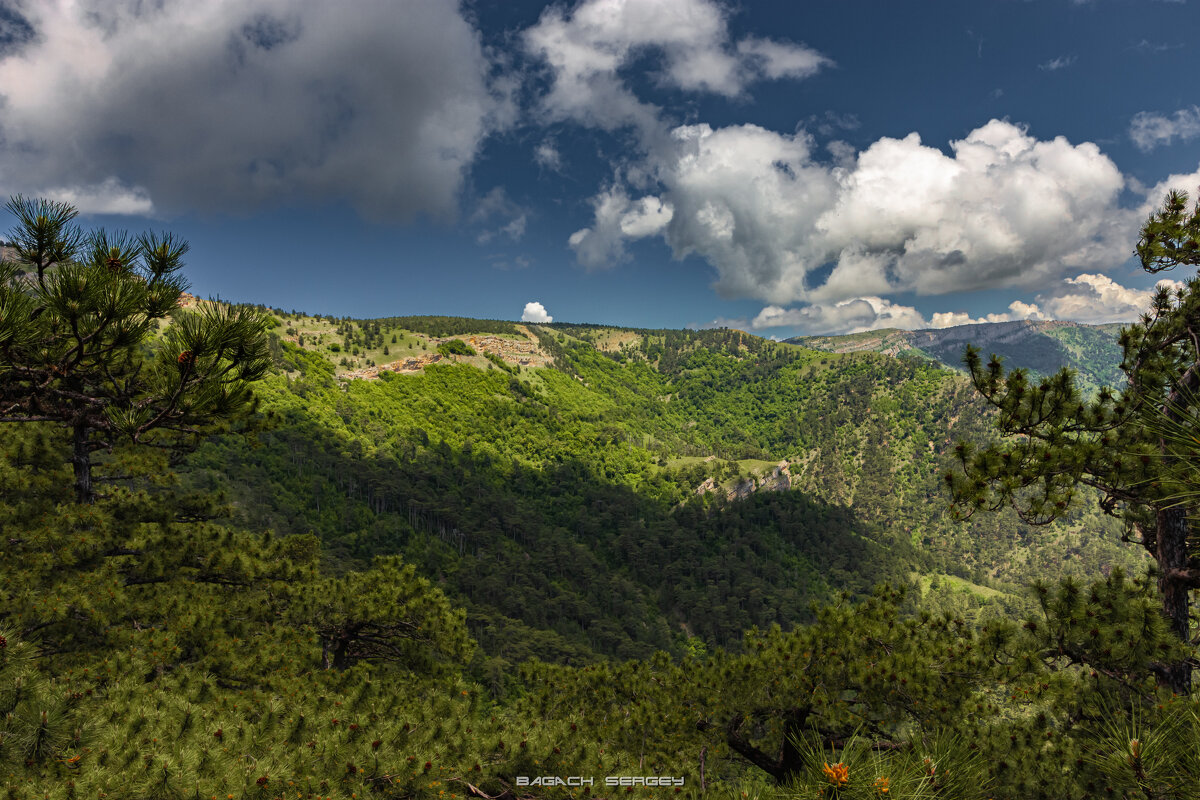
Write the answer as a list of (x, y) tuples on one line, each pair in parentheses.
[(235, 565)]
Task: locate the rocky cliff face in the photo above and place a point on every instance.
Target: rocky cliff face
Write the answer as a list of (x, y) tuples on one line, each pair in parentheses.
[(525, 353), (778, 479), (984, 334), (938, 339)]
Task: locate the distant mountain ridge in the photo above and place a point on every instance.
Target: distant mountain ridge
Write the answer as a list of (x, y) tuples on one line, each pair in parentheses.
[(1041, 346)]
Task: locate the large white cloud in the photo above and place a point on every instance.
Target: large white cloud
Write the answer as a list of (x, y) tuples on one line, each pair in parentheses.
[(746, 199), (230, 104), (780, 222), (1002, 209)]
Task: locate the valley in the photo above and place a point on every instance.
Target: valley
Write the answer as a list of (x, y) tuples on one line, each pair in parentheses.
[(713, 458)]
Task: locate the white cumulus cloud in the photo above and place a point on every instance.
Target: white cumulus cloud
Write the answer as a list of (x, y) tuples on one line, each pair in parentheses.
[(1002, 209), (535, 312), (1095, 298), (236, 104)]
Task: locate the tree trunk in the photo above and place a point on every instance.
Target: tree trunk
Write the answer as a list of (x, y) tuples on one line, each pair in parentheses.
[(81, 460), (788, 763), (341, 652), (1172, 555)]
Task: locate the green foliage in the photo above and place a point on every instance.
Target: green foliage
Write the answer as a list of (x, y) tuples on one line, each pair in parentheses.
[(385, 614), (439, 327), (1171, 237), (358, 467), (177, 657), (501, 363), (940, 766), (1156, 759), (74, 338), (455, 347), (1113, 443)]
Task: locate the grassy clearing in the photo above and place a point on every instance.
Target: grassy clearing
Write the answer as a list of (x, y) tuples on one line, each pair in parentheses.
[(756, 466), (683, 462), (357, 344), (956, 583)]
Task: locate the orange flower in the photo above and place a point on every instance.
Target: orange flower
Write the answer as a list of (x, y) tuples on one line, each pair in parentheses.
[(881, 785), (838, 774)]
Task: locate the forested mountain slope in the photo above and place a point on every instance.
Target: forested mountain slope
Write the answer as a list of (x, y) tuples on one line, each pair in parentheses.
[(565, 505)]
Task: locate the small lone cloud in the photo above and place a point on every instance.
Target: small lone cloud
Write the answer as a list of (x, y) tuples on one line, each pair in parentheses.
[(506, 264), (499, 216), (547, 156), (1055, 64), (535, 312), (1149, 129), (1147, 46)]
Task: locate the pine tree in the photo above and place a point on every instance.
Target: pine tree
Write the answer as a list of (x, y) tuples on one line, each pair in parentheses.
[(384, 615), (80, 345), (1059, 443)]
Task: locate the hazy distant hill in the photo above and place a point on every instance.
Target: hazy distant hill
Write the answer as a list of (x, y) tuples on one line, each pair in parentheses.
[(1042, 347)]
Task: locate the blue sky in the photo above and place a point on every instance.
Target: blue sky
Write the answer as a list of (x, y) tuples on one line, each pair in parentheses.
[(785, 167)]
